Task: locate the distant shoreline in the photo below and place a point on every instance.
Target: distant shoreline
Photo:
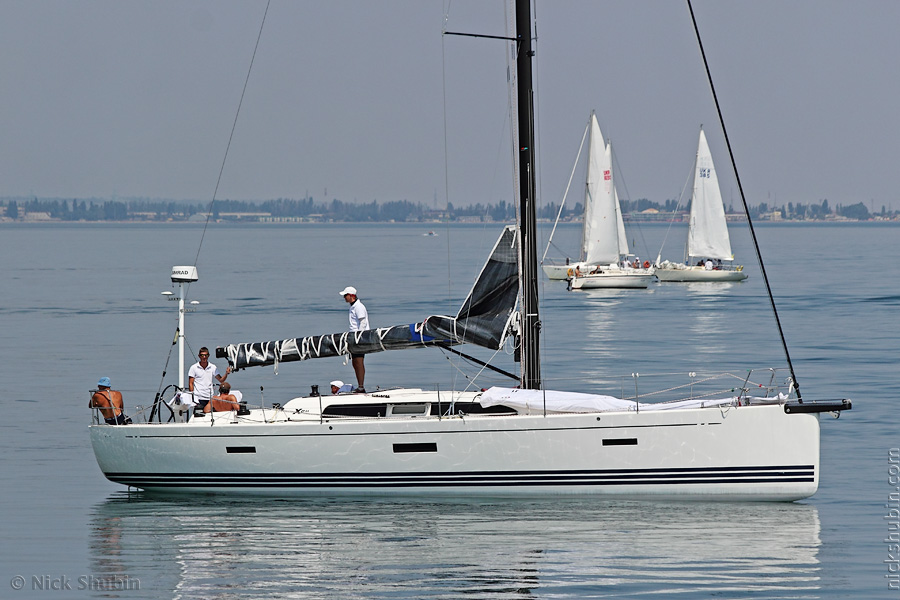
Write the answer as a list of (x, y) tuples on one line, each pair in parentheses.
[(426, 225)]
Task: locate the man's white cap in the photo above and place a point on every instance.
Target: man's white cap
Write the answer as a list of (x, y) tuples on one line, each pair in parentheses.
[(348, 290), (337, 383)]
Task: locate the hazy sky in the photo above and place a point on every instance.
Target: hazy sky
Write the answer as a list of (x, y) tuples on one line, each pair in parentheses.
[(110, 98)]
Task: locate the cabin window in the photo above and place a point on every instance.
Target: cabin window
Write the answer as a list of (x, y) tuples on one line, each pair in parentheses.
[(417, 447), (620, 442), (417, 409), (355, 410)]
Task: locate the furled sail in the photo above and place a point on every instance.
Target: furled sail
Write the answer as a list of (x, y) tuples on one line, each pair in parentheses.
[(485, 319)]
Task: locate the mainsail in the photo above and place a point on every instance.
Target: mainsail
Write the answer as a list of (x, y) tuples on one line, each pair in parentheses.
[(485, 319), (600, 243)]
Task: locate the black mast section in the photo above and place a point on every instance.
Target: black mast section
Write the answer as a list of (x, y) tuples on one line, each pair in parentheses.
[(531, 324)]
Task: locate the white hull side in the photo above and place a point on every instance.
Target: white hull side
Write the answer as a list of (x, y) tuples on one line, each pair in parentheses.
[(609, 279), (695, 273), (556, 272), (560, 272), (743, 453)]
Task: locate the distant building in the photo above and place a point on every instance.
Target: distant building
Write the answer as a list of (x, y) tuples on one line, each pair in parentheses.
[(34, 216)]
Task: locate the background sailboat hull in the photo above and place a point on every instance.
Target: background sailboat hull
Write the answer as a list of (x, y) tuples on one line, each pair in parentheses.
[(694, 273), (612, 280), (557, 272), (740, 453)]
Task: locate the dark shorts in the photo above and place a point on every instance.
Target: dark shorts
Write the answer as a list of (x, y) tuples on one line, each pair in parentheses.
[(118, 420), (356, 355)]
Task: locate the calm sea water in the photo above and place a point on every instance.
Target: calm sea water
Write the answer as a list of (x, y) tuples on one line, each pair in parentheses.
[(83, 301)]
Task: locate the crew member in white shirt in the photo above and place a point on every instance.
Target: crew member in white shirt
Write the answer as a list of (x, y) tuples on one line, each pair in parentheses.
[(200, 378), (359, 321)]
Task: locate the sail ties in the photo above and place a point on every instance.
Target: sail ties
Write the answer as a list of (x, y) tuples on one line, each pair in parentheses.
[(380, 332), (419, 332)]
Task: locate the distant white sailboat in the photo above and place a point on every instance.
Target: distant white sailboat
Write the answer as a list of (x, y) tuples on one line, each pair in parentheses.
[(604, 246), (708, 241)]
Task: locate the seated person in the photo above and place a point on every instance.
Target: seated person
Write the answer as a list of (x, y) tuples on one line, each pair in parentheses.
[(110, 403), (224, 401), (339, 387)]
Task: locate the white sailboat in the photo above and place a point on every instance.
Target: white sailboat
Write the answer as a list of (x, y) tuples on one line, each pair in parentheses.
[(708, 242), (511, 441), (604, 245)]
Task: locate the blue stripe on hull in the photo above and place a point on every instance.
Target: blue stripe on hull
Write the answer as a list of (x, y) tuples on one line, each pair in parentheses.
[(679, 476)]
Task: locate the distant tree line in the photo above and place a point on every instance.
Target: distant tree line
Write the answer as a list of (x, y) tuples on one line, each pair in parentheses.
[(398, 210)]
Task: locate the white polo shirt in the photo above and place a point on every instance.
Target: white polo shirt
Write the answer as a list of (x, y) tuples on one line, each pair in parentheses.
[(359, 317), (203, 380)]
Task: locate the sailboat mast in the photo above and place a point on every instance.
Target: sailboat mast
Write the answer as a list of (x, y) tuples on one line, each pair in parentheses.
[(531, 324)]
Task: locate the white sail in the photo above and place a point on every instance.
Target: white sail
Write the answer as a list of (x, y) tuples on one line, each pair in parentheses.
[(600, 243), (708, 235), (620, 224)]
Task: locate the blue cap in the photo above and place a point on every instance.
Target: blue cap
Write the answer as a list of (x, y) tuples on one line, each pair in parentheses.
[(104, 381)]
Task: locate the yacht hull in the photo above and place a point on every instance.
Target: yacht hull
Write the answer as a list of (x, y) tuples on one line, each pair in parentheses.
[(608, 279), (739, 453), (556, 272), (561, 272), (695, 273)]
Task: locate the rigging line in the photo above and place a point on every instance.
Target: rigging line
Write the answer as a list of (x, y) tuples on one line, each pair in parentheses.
[(444, 34), (737, 177), (165, 370), (478, 361), (478, 374), (674, 212), (231, 135), (512, 83), (536, 90), (566, 193), (636, 224), (446, 158), (450, 307)]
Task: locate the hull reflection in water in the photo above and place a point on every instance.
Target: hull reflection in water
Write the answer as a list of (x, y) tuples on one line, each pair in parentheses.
[(215, 548)]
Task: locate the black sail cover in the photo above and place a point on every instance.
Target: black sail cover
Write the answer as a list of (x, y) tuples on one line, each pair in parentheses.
[(485, 319)]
